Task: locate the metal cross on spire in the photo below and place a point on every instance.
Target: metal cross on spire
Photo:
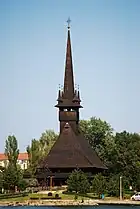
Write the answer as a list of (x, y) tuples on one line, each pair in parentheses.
[(68, 21)]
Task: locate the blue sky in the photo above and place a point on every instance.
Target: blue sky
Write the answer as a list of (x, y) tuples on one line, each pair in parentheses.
[(106, 49)]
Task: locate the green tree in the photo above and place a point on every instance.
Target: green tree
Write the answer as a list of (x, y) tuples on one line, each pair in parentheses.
[(12, 174), (100, 136), (95, 131), (39, 149), (99, 184), (126, 160), (34, 153), (12, 177), (11, 150), (22, 184), (78, 182), (112, 186), (47, 140)]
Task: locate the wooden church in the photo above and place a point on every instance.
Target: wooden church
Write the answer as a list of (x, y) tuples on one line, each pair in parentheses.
[(71, 150)]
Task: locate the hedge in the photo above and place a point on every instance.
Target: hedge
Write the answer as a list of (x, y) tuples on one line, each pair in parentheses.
[(13, 195), (44, 197)]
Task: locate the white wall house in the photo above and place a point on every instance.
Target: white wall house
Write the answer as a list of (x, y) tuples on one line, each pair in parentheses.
[(22, 160)]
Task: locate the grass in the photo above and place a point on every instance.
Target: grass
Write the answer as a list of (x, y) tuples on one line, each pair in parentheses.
[(16, 199), (63, 196)]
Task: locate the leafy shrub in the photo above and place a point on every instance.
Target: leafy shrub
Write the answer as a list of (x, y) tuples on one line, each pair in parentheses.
[(32, 182), (75, 197), (13, 195), (78, 182), (112, 186), (25, 194), (99, 184), (57, 196), (50, 194), (34, 198), (127, 196), (44, 198), (66, 192)]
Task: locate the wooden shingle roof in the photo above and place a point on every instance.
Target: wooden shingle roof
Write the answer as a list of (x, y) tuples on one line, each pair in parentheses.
[(71, 150)]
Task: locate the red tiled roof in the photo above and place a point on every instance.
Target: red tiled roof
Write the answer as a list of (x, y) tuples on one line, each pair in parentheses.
[(21, 156), (3, 156)]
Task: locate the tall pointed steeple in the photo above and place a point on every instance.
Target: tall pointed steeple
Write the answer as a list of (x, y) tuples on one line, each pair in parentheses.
[(69, 96), (68, 78)]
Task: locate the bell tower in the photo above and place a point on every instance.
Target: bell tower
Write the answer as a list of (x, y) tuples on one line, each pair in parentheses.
[(71, 150), (69, 97)]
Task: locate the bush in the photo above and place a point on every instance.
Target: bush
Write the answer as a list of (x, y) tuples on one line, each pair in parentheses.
[(56, 196), (127, 196), (112, 187), (76, 197), (13, 195), (34, 198), (45, 197), (50, 194), (32, 182), (78, 182), (66, 192), (99, 184), (25, 194)]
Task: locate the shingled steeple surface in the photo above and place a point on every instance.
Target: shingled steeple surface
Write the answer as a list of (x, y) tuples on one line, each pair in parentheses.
[(68, 78)]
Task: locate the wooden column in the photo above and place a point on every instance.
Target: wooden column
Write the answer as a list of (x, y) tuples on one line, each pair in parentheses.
[(51, 182)]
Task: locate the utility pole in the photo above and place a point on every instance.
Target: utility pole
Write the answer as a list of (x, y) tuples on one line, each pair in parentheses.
[(120, 187)]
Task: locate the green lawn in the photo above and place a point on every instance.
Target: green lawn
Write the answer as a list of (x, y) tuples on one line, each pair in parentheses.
[(16, 199), (63, 196)]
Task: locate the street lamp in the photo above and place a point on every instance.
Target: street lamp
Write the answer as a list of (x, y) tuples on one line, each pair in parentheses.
[(120, 187)]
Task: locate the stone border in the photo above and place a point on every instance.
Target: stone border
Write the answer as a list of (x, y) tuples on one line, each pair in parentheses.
[(69, 203)]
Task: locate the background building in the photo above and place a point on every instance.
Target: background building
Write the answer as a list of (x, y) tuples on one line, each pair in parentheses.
[(22, 160)]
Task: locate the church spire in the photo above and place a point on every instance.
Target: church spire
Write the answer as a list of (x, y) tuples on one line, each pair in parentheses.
[(68, 97), (68, 78)]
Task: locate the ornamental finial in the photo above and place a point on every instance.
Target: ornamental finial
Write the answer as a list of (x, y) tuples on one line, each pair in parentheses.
[(68, 21)]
